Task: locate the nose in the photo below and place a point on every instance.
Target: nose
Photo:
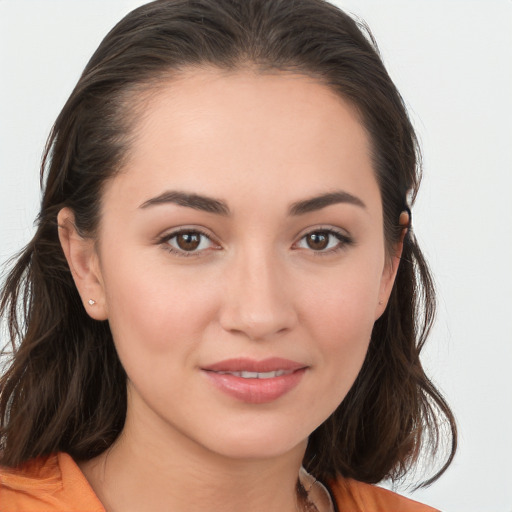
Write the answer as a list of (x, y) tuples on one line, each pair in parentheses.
[(257, 298)]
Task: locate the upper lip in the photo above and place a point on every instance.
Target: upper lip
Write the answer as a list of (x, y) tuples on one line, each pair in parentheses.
[(251, 365)]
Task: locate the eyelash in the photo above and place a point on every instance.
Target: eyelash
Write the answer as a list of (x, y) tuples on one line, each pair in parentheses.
[(182, 253), (343, 241)]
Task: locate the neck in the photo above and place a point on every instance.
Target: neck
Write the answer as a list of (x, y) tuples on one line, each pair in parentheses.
[(146, 470)]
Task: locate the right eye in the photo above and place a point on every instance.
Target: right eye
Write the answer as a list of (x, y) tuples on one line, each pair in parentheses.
[(188, 242)]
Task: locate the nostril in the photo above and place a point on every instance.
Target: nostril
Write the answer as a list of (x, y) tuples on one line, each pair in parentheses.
[(265, 323)]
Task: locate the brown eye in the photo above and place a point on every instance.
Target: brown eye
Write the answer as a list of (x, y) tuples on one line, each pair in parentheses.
[(188, 241), (318, 240), (324, 241)]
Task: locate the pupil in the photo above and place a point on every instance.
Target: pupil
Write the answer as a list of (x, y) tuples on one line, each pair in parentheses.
[(318, 241), (188, 241)]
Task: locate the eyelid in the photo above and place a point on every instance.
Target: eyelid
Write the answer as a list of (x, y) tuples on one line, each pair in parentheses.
[(345, 239), (322, 227), (170, 234)]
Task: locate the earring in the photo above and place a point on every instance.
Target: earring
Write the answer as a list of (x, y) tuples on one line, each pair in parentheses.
[(380, 302), (91, 302)]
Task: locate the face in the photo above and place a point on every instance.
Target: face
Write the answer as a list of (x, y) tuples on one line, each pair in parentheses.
[(240, 260)]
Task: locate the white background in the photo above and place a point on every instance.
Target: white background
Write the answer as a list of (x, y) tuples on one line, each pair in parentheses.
[(451, 60)]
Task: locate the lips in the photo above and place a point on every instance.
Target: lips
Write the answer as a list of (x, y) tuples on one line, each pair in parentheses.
[(250, 365), (257, 375), (254, 381)]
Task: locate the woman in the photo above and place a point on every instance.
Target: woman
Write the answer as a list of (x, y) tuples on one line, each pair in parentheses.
[(223, 306)]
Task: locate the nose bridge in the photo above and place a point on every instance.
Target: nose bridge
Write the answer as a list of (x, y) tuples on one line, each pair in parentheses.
[(257, 302)]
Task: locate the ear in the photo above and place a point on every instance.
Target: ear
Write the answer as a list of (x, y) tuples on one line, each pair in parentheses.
[(83, 261), (391, 268)]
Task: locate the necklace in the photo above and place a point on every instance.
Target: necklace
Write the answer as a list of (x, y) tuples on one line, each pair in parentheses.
[(313, 497)]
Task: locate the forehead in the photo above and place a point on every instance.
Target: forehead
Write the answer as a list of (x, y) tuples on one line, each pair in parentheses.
[(208, 130)]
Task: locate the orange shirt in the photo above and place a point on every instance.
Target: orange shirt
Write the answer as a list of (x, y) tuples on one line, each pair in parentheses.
[(56, 484)]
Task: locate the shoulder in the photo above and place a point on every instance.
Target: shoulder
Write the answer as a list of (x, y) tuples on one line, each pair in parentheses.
[(47, 484), (353, 496)]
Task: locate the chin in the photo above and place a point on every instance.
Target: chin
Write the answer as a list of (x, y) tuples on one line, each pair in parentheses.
[(259, 450), (257, 443)]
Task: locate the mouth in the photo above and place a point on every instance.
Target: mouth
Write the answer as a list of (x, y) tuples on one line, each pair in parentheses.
[(257, 375), (251, 368), (255, 382)]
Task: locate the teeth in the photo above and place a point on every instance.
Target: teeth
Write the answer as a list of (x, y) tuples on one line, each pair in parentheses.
[(249, 375), (256, 375)]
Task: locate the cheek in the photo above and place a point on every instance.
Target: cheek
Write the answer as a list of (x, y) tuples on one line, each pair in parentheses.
[(343, 301), (340, 317), (154, 313), (341, 327)]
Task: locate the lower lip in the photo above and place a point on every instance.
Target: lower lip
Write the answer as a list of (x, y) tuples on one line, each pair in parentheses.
[(255, 391)]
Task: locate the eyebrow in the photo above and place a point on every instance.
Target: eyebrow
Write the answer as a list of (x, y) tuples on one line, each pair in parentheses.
[(324, 200), (195, 201), (219, 207)]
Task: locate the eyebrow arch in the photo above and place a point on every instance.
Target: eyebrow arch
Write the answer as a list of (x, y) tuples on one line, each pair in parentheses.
[(195, 201), (319, 202)]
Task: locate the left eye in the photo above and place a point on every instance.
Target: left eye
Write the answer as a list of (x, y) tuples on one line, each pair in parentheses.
[(322, 241), (189, 241)]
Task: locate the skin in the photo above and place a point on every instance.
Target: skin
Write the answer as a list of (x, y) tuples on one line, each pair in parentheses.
[(255, 288)]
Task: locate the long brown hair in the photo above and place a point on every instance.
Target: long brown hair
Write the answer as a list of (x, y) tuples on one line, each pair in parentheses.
[(65, 388)]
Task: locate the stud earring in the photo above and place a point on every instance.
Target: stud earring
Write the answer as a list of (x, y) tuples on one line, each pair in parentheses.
[(91, 302), (380, 302)]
